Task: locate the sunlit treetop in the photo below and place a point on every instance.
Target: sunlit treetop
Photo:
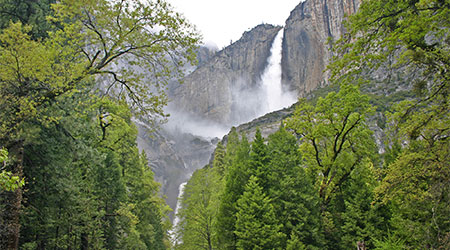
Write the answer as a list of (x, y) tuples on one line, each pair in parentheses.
[(136, 46), (130, 48)]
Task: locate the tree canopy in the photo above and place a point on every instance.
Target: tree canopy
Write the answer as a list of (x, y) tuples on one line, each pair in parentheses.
[(115, 56)]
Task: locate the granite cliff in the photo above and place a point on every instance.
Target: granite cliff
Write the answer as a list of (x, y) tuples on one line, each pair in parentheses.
[(306, 51), (213, 90), (173, 157)]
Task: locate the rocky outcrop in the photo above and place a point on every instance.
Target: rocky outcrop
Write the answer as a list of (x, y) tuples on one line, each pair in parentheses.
[(305, 49), (173, 157), (212, 89), (204, 54)]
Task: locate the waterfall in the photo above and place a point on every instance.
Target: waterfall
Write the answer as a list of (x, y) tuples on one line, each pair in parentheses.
[(173, 233), (276, 97)]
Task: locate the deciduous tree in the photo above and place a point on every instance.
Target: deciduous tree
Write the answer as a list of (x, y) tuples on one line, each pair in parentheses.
[(412, 36)]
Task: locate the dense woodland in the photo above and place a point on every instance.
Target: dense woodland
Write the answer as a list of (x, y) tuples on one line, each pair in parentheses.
[(320, 182), (73, 76), (75, 73)]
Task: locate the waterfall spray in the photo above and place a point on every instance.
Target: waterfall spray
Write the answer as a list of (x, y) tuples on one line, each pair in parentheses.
[(276, 98), (174, 232)]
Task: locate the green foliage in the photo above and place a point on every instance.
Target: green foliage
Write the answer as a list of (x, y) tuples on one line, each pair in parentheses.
[(137, 46), (415, 32), (256, 223), (362, 218), (338, 149), (294, 197), (219, 162), (334, 137), (8, 181), (235, 180), (29, 12), (294, 243), (31, 72), (417, 182), (232, 147), (259, 159), (414, 36), (389, 243), (88, 186), (198, 213), (118, 34), (332, 192)]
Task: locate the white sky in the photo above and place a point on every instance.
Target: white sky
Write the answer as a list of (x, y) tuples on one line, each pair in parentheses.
[(221, 21)]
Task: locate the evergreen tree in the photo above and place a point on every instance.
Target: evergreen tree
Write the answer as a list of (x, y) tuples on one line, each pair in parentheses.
[(414, 34), (295, 199), (62, 209), (30, 12), (256, 223), (235, 181), (219, 163), (362, 219), (232, 146), (110, 190), (83, 195), (36, 74), (259, 159)]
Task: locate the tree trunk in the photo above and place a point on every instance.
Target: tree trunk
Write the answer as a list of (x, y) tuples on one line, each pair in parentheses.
[(11, 214), (361, 245)]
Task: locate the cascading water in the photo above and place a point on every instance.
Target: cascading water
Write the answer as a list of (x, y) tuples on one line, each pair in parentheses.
[(276, 98), (173, 233)]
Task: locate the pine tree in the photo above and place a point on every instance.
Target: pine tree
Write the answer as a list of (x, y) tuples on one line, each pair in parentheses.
[(256, 223), (363, 219), (60, 64), (294, 197), (259, 159), (414, 34), (335, 141), (111, 192), (219, 163), (235, 180)]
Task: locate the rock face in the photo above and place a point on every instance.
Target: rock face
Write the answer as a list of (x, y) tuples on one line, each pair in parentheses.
[(305, 49), (204, 54), (173, 157), (212, 90)]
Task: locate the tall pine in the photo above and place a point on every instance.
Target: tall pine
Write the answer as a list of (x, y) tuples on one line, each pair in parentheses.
[(235, 180), (256, 223)]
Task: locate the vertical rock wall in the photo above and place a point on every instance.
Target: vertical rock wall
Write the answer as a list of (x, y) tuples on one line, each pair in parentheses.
[(305, 49)]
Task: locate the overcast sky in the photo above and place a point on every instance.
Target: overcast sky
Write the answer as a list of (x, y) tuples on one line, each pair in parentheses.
[(221, 21)]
